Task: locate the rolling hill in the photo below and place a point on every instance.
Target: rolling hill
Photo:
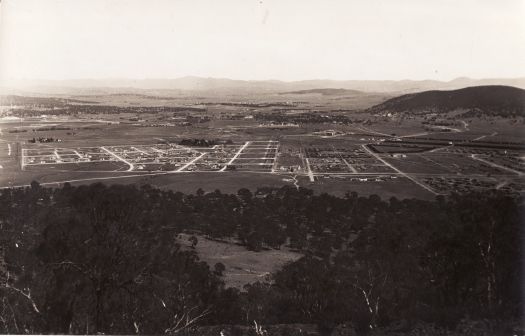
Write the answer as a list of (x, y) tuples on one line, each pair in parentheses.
[(489, 100)]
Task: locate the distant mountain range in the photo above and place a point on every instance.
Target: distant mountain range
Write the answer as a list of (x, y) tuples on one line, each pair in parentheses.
[(489, 99), (230, 86)]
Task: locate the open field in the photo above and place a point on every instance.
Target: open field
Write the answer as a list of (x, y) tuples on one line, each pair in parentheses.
[(242, 266), (309, 141), (325, 165)]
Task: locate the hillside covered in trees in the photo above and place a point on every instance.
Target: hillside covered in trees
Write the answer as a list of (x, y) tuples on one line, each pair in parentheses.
[(105, 259), (492, 100)]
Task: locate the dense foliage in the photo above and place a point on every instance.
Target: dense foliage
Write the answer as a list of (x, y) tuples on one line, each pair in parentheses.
[(203, 142), (98, 258)]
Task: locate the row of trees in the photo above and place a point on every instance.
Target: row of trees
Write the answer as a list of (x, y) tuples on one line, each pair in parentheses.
[(93, 259), (280, 116), (62, 107)]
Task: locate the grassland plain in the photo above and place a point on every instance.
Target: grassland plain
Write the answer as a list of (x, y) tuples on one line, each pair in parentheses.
[(333, 125)]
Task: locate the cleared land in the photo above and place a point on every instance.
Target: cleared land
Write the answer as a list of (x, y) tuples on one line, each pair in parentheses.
[(242, 266), (316, 141)]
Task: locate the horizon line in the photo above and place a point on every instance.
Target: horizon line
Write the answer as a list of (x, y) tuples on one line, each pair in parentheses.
[(249, 80)]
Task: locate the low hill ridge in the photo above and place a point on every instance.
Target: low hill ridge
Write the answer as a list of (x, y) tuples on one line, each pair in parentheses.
[(489, 99)]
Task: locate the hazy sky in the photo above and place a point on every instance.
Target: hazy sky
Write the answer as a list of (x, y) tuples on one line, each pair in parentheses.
[(262, 39)]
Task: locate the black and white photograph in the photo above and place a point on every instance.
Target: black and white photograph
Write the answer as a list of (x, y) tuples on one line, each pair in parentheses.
[(262, 167)]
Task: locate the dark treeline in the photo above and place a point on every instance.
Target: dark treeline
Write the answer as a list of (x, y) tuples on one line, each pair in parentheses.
[(197, 142), (286, 104), (304, 118), (41, 102), (204, 142), (106, 259), (98, 109)]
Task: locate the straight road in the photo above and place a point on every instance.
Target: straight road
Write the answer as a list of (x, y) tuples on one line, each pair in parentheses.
[(139, 150), (484, 136), (190, 163), (350, 166), (309, 170), (235, 156), (495, 165), (131, 166), (424, 186)]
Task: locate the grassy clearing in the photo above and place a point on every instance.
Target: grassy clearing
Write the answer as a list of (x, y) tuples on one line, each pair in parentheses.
[(242, 266), (400, 188)]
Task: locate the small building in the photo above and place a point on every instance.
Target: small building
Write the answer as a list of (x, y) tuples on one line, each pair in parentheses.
[(399, 155)]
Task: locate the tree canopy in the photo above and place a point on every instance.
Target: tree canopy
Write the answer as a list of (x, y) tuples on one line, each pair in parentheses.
[(107, 259)]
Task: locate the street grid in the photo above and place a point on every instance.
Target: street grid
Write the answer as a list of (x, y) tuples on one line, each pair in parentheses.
[(434, 171)]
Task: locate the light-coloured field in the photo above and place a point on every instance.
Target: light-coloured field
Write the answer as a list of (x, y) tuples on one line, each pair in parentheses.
[(242, 266)]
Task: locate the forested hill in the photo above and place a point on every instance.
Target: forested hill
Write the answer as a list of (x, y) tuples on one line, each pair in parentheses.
[(103, 259), (495, 100)]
